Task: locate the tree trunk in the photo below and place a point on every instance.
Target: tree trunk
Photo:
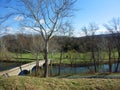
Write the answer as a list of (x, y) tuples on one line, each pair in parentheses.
[(37, 65), (118, 62), (110, 64), (50, 67), (118, 50), (60, 63), (94, 60), (37, 60), (46, 59)]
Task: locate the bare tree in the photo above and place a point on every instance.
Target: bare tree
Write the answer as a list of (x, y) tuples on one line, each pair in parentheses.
[(4, 53), (91, 41), (107, 47), (114, 28), (36, 48), (43, 16), (66, 30)]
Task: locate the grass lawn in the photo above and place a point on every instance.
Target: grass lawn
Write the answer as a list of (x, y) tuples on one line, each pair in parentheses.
[(106, 75), (66, 58), (34, 83)]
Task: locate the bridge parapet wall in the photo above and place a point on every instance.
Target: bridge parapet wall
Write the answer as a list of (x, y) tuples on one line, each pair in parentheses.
[(17, 70)]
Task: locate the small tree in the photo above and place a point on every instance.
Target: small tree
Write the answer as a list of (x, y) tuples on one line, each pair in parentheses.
[(66, 31), (91, 41), (114, 28), (36, 48), (4, 53)]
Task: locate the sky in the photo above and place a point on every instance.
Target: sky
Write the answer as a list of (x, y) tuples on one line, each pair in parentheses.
[(87, 11), (95, 11)]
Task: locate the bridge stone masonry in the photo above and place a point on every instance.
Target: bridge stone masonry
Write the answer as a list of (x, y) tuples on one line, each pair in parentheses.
[(17, 70)]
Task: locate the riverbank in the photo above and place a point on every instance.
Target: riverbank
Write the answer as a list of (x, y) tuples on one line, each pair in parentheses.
[(18, 60), (105, 75), (34, 83), (80, 64), (83, 64)]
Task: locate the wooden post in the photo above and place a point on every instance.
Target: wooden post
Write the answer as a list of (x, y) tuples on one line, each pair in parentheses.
[(20, 68)]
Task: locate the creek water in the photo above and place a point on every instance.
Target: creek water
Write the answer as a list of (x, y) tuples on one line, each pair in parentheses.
[(85, 69), (64, 69), (8, 65)]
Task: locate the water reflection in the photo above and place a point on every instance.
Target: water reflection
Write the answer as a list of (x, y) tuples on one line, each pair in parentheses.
[(77, 70), (64, 69), (8, 65)]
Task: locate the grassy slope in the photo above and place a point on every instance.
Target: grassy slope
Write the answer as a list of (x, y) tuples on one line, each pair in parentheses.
[(33, 83)]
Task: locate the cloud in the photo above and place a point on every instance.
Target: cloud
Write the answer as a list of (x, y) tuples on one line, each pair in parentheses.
[(102, 31), (18, 18), (28, 30), (41, 21), (9, 28), (1, 27)]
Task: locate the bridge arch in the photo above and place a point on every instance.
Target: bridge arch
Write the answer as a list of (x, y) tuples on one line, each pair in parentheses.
[(34, 68), (24, 72)]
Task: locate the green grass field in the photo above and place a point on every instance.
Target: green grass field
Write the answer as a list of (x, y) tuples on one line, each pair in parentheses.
[(34, 83), (67, 58)]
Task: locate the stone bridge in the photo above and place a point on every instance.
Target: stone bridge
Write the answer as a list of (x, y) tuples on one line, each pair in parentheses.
[(17, 70)]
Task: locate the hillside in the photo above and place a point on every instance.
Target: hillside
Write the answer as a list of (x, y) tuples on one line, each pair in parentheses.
[(23, 42), (34, 83)]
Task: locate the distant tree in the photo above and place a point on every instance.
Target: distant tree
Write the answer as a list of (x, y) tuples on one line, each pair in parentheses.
[(66, 31), (35, 49), (106, 49), (91, 41), (114, 28), (73, 56), (4, 53), (86, 39)]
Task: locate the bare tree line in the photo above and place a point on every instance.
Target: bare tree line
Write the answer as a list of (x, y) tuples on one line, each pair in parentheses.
[(106, 44)]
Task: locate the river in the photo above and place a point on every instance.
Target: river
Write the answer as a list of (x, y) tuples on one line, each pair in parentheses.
[(84, 69), (64, 69), (8, 65)]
